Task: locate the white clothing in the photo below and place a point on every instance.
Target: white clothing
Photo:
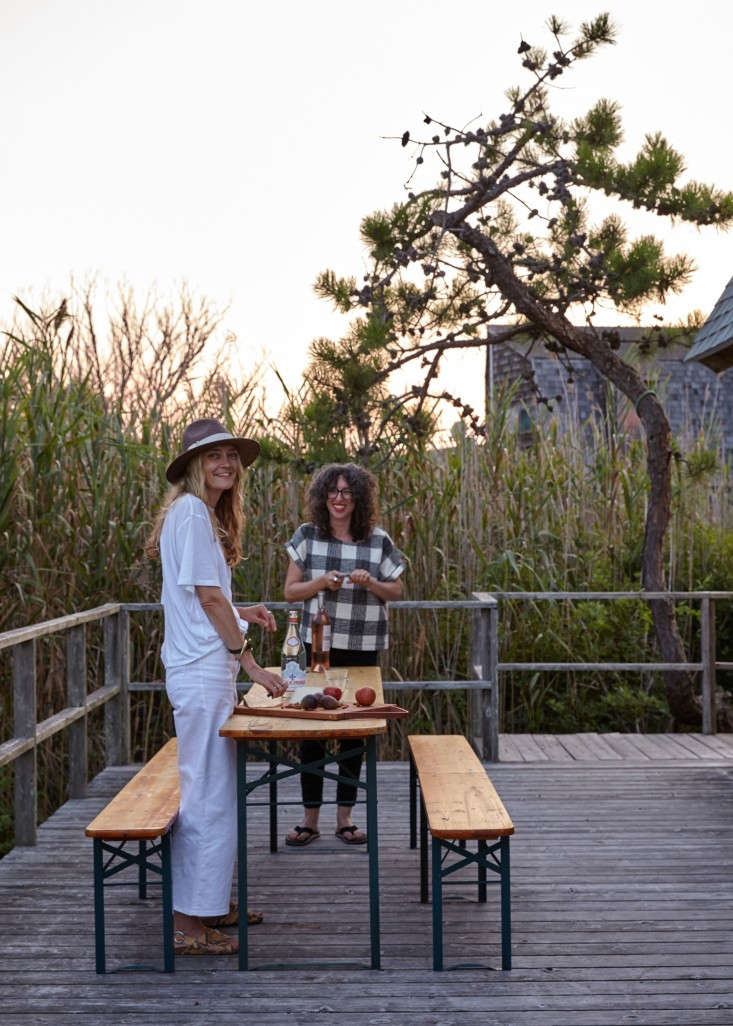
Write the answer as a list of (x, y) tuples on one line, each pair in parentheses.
[(200, 681), (191, 555), (204, 837)]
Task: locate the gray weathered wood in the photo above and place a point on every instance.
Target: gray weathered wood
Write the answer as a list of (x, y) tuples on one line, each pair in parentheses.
[(24, 726), (707, 654), (76, 695), (484, 704), (117, 676), (622, 908), (39, 630), (612, 667)]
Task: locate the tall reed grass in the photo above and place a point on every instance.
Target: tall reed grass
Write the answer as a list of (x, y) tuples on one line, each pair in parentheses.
[(81, 476)]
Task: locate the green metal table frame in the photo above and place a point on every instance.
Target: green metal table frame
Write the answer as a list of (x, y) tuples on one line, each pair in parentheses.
[(153, 856), (275, 758), (488, 857)]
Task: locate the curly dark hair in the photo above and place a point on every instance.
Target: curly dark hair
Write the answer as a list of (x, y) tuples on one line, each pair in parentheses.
[(363, 485)]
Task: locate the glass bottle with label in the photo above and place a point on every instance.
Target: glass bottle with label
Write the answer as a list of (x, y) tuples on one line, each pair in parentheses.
[(321, 639), (293, 657)]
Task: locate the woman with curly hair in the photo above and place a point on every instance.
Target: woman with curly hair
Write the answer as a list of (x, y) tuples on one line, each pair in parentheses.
[(342, 553), (197, 534)]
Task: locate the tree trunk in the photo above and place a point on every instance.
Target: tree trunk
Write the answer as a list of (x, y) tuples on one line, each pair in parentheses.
[(684, 706)]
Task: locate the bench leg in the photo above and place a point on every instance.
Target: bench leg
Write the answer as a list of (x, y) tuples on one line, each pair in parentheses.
[(424, 898), (167, 886), (437, 907), (99, 907), (482, 846), (506, 911), (142, 875), (413, 803)]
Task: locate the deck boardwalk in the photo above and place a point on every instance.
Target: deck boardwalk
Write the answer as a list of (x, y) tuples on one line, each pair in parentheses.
[(622, 901)]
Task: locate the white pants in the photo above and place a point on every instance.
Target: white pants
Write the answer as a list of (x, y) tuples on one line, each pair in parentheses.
[(204, 837)]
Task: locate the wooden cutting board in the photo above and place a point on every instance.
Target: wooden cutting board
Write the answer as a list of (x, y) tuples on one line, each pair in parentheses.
[(346, 712)]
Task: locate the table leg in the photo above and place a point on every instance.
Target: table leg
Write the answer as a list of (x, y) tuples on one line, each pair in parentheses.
[(272, 750), (413, 803), (506, 909), (424, 897), (372, 834), (167, 882), (99, 905), (242, 750)]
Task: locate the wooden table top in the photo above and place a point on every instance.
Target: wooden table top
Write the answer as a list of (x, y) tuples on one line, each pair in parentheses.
[(281, 728)]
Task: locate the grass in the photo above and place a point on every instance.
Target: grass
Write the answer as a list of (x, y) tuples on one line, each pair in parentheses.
[(81, 476)]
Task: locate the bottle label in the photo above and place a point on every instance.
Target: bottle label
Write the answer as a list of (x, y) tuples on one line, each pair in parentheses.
[(292, 642), (292, 673), (326, 637)]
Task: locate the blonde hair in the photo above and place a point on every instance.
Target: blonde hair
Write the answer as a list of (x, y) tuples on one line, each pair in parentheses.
[(227, 518)]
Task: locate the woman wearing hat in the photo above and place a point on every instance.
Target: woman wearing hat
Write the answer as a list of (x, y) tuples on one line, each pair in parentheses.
[(197, 533)]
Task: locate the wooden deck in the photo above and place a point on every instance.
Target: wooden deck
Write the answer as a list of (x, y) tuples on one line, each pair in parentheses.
[(622, 901), (614, 747)]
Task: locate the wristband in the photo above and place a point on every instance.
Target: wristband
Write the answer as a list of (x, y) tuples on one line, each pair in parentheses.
[(239, 652)]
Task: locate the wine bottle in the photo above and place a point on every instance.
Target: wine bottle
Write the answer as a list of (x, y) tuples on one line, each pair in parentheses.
[(321, 639), (293, 656)]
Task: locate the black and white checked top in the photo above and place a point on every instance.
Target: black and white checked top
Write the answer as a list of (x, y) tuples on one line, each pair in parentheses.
[(358, 618)]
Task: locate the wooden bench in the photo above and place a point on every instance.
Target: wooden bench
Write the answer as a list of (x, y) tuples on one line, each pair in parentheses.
[(458, 804), (143, 811)]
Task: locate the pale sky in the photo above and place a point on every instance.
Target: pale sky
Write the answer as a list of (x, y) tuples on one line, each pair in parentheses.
[(237, 145)]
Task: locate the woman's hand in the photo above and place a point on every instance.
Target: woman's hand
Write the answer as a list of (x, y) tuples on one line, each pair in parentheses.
[(385, 591), (361, 578), (271, 682), (259, 614), (332, 580)]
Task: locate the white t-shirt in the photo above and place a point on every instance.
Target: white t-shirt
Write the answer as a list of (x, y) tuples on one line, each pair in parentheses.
[(191, 555)]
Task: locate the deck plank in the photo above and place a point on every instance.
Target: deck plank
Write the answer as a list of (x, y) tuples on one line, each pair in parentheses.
[(622, 907)]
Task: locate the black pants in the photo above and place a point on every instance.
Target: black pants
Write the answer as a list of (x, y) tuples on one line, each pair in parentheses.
[(311, 784)]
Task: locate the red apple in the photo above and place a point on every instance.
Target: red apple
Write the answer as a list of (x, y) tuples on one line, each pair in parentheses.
[(334, 692), (365, 696)]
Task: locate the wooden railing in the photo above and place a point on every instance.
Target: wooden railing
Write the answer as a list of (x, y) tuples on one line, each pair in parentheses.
[(114, 695), (482, 683), (707, 665)]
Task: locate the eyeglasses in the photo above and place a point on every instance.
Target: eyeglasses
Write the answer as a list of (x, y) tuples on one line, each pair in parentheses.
[(345, 493)]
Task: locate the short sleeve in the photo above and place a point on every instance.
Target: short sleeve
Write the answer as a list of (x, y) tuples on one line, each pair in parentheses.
[(392, 562), (197, 553), (297, 549)]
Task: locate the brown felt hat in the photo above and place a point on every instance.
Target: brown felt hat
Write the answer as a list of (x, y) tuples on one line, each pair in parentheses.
[(206, 434)]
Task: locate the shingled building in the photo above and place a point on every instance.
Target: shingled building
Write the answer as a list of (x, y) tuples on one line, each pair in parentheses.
[(694, 396)]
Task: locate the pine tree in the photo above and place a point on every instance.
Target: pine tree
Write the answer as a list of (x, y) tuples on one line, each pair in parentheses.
[(503, 233)]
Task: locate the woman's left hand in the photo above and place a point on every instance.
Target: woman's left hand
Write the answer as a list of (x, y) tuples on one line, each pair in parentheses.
[(259, 614), (361, 578), (271, 682)]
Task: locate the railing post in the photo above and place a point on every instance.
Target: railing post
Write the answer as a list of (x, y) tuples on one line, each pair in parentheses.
[(24, 726), (117, 672), (484, 703), (707, 658), (76, 692)]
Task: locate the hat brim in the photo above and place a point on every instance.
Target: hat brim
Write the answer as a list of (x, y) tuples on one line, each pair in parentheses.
[(247, 448)]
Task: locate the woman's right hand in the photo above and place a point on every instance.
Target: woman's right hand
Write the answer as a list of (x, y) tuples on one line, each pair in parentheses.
[(271, 682)]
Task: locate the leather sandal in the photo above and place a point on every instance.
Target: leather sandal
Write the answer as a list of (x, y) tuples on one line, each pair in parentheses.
[(346, 834), (232, 917), (304, 835), (212, 943)]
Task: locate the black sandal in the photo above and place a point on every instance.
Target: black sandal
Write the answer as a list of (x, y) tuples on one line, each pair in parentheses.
[(304, 836), (351, 829)]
